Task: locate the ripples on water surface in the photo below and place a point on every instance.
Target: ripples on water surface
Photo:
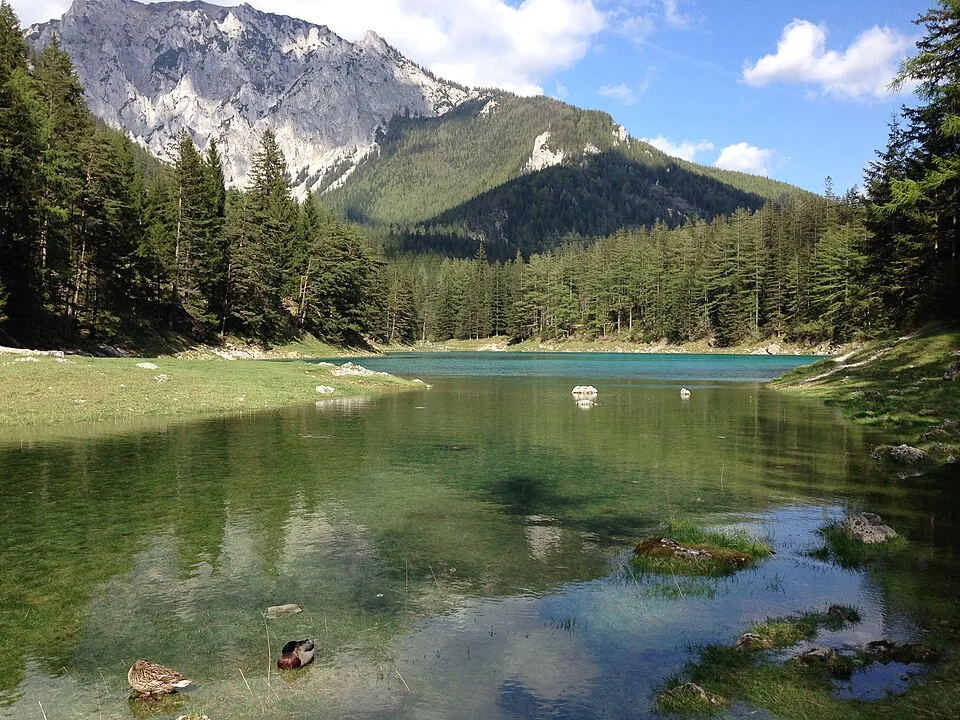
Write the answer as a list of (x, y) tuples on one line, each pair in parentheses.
[(460, 551)]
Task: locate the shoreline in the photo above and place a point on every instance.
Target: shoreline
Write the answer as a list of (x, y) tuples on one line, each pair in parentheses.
[(47, 392)]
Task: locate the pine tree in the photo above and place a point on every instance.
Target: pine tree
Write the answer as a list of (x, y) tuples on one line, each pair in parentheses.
[(914, 187), (20, 148), (259, 228)]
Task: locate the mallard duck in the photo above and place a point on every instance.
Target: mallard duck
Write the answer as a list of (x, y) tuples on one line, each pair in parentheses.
[(296, 653), (147, 678)]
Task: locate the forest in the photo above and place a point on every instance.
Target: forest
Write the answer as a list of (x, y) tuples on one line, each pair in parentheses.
[(104, 246)]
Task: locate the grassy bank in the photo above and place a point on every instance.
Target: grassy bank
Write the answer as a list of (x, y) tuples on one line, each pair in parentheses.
[(44, 391), (894, 385)]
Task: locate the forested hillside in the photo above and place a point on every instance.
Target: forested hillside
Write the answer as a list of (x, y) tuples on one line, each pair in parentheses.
[(522, 173), (789, 270), (101, 245)]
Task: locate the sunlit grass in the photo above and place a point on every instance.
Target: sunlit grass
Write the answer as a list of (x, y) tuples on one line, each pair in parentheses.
[(46, 391), (725, 551), (895, 385), (788, 631), (848, 552)]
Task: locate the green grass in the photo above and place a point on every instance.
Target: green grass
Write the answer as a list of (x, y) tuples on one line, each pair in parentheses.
[(894, 385), (689, 700), (45, 392), (839, 547), (788, 631), (729, 552), (792, 689)]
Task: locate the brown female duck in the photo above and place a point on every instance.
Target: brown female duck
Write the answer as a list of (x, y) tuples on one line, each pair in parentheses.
[(147, 678)]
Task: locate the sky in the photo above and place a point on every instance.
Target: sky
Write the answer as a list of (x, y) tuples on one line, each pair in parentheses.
[(796, 90)]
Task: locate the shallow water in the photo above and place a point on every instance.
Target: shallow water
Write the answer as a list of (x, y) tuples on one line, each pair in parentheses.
[(459, 551)]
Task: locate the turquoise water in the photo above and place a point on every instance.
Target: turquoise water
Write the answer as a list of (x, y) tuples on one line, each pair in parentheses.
[(460, 551), (592, 366)]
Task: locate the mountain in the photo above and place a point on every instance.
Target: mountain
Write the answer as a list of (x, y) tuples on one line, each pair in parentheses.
[(229, 73), (384, 141), (522, 173)]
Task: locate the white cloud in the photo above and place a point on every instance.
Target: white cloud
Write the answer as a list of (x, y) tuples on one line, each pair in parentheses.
[(747, 158), (674, 17), (475, 42), (685, 150), (638, 19), (863, 69), (37, 11), (621, 93)]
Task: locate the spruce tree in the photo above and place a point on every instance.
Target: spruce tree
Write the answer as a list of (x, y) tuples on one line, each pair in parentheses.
[(914, 187), (20, 148)]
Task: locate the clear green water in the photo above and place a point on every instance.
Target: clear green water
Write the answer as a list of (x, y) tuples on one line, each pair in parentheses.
[(460, 551)]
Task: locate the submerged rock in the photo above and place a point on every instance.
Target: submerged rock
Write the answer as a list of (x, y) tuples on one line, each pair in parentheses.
[(885, 651), (276, 611), (953, 372), (837, 665), (752, 642), (867, 528), (691, 691), (665, 547)]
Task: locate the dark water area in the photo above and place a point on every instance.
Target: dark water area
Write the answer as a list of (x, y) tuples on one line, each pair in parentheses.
[(460, 551)]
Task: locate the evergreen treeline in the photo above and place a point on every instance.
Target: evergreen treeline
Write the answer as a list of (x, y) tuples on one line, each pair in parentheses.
[(793, 270), (914, 185), (100, 245)]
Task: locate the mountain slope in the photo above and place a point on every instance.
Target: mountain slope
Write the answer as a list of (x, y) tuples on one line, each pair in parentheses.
[(230, 73), (523, 172), (386, 142)]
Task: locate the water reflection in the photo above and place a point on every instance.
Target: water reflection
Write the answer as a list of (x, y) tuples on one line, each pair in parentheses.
[(458, 551)]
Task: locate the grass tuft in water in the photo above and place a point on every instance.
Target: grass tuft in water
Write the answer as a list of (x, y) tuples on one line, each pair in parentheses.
[(794, 629), (685, 549), (847, 552), (687, 699)]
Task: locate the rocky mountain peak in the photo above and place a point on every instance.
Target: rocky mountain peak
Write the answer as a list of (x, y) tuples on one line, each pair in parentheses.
[(231, 72)]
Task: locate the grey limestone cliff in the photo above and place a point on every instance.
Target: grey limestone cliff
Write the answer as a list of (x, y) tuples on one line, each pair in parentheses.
[(230, 73)]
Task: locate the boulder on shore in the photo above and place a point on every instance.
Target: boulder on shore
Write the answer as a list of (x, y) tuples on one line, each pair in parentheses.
[(907, 454), (899, 454), (953, 372), (867, 528)]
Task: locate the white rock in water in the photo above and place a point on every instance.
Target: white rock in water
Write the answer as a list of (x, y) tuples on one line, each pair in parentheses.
[(684, 392), (584, 390), (275, 611)]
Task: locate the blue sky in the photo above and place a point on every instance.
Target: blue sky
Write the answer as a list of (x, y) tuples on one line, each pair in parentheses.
[(791, 89)]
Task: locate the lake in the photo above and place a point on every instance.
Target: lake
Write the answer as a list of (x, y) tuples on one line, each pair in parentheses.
[(462, 550)]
